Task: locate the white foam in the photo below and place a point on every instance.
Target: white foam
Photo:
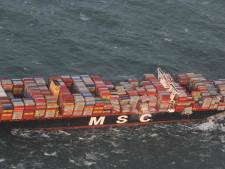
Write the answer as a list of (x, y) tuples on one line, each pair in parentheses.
[(45, 135), (89, 163), (114, 144), (90, 156), (186, 30), (64, 132), (84, 17), (72, 161), (118, 151), (168, 39), (154, 135), (207, 126), (53, 154), (2, 160)]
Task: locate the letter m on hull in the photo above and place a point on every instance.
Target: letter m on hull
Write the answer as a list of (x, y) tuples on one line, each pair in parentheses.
[(96, 121)]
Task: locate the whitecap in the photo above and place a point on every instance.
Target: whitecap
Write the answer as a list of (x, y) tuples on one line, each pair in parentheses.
[(89, 163), (92, 137), (45, 135), (64, 132), (72, 161), (118, 151), (207, 126), (114, 144), (2, 160), (90, 156), (84, 17), (36, 62), (154, 135), (53, 154), (168, 39)]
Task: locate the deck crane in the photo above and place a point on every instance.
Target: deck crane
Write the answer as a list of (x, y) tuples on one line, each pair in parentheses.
[(167, 81)]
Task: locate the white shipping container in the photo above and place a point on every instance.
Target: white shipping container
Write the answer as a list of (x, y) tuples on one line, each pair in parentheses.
[(17, 115)]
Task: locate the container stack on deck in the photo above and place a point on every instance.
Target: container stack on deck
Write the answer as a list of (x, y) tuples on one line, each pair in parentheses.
[(102, 90), (59, 87), (79, 86), (183, 99), (204, 92), (79, 102), (6, 107), (18, 109), (162, 94), (220, 84), (45, 103)]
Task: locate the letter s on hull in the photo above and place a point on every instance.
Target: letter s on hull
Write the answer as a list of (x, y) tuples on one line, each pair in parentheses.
[(143, 118), (95, 121), (122, 119)]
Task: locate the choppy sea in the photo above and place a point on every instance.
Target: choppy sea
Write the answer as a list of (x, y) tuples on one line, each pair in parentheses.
[(117, 39)]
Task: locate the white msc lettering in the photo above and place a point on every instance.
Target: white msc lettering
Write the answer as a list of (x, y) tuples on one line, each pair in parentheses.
[(143, 118), (122, 119), (95, 121)]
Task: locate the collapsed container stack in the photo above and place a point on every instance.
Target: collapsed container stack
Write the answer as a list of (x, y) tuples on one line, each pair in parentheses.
[(203, 91), (45, 103), (80, 87), (79, 104), (102, 90), (123, 99), (220, 84), (183, 100), (160, 96), (66, 99), (133, 94), (59, 87)]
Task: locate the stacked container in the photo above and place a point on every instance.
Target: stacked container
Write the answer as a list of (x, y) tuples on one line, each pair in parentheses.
[(29, 108), (114, 101), (220, 84), (203, 92), (51, 106), (79, 104), (124, 99), (99, 105), (101, 88), (80, 87), (18, 109), (7, 85), (159, 96), (17, 87), (6, 107), (36, 89), (66, 101), (88, 82)]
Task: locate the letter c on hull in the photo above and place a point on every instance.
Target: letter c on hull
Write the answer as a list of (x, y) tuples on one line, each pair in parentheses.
[(143, 118)]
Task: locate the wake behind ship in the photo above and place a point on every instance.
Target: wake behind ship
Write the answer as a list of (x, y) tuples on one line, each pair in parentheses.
[(90, 101)]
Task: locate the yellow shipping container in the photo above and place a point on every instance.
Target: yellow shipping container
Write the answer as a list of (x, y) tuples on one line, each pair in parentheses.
[(54, 89)]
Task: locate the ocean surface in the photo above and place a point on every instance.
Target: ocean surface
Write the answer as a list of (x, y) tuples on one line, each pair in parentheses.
[(118, 39)]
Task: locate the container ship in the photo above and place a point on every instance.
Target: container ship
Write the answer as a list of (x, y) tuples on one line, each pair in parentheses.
[(88, 101)]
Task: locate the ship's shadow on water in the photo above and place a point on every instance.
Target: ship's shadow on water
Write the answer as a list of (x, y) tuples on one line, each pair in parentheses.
[(116, 147)]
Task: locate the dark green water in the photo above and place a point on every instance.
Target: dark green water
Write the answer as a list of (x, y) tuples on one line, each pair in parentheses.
[(118, 39)]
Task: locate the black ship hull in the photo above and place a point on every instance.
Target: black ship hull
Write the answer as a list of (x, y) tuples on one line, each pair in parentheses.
[(109, 120)]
